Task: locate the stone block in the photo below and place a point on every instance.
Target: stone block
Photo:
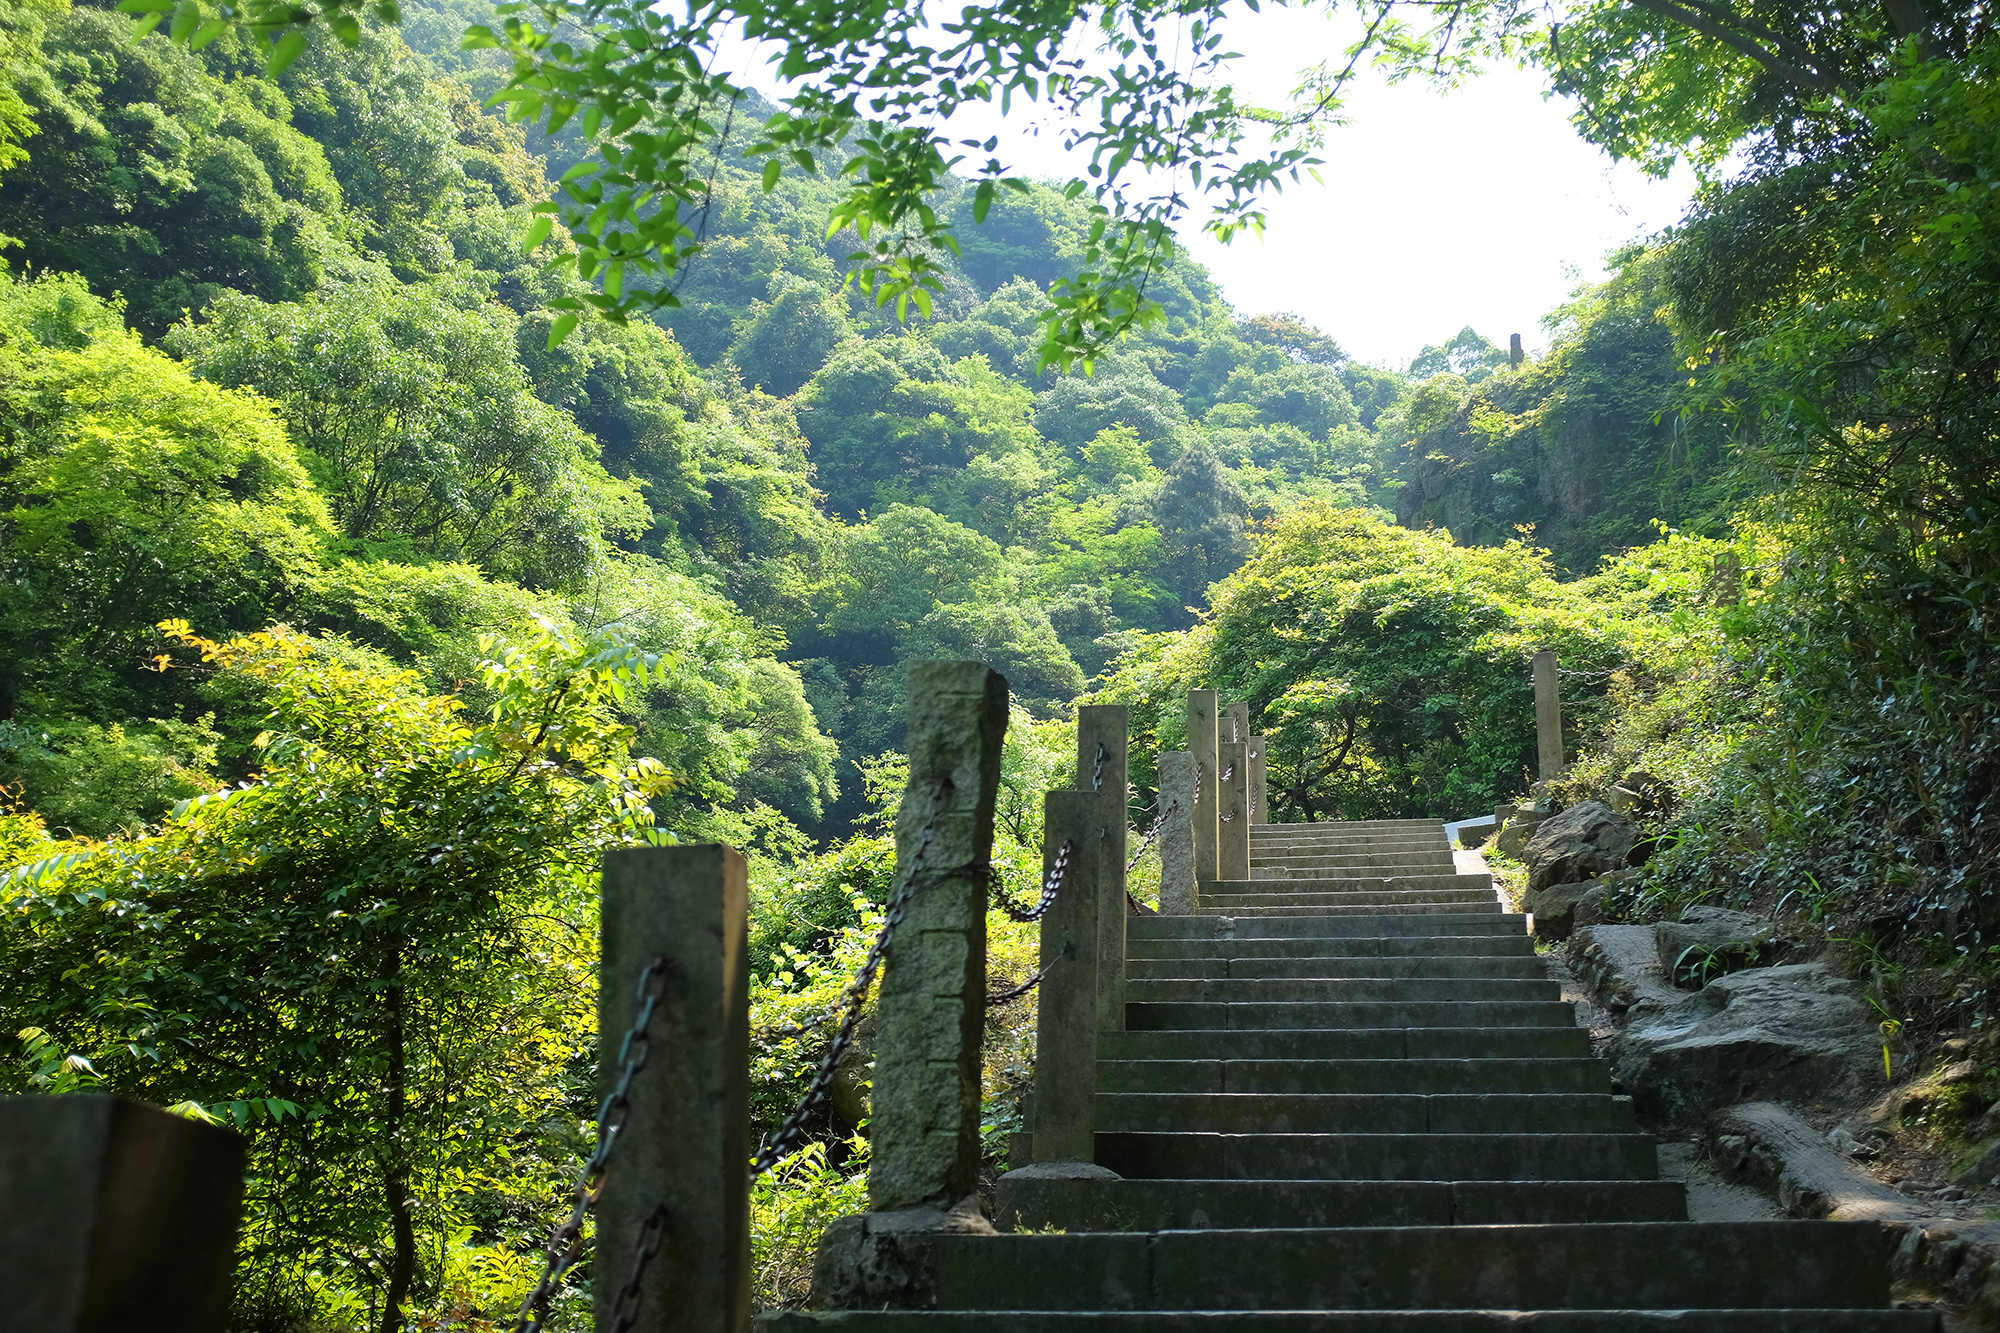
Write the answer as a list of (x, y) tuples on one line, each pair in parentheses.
[(682, 1155), (1066, 1014), (1106, 729), (1260, 798), (1202, 741), (925, 1131), (1232, 813), (1176, 842), (115, 1216)]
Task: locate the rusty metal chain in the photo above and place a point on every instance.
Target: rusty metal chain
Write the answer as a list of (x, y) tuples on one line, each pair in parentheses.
[(994, 999), (625, 1308), (1152, 836), (566, 1245), (1051, 886), (781, 1144)]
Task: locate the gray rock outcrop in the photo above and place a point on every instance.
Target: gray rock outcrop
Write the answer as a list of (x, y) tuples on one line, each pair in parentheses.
[(1736, 939), (1621, 966), (1581, 843), (1794, 1032)]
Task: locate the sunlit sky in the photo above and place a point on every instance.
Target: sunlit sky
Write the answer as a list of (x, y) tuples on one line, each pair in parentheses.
[(1434, 210)]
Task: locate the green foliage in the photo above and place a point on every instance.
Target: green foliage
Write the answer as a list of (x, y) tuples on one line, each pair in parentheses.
[(418, 420), (1390, 667), (387, 929), (97, 781), (129, 489)]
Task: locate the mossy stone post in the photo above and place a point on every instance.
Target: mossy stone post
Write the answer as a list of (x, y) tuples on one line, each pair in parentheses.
[(1067, 1007), (1176, 841), (115, 1217), (1201, 729), (1103, 737), (1232, 814), (1548, 716), (932, 1013), (1259, 788), (684, 1153)]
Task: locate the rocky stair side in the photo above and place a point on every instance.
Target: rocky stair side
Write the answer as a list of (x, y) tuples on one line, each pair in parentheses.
[(1350, 1100)]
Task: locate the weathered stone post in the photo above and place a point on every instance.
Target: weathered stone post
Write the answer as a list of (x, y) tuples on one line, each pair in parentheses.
[(683, 1156), (1067, 1008), (115, 1216), (924, 1130), (1176, 841), (1232, 814), (925, 1126), (1201, 728), (1102, 758), (1548, 715), (1259, 787)]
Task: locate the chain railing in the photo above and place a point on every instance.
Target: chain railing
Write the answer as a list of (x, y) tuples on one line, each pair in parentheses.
[(1051, 886), (781, 1144), (1146, 843), (566, 1246)]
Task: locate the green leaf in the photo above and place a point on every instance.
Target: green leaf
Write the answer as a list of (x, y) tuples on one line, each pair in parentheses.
[(537, 233), (288, 48), (771, 171), (561, 329)]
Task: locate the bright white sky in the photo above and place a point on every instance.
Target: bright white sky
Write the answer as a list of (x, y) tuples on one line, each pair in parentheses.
[(1480, 206)]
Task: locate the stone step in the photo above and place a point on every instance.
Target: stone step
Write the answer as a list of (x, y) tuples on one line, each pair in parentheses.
[(1371, 1113), (1338, 925), (1460, 965), (1186, 1015), (1347, 901), (1025, 1201), (1562, 1042), (1340, 860), (1596, 1266), (1345, 827), (1351, 1321), (1517, 1156), (1394, 842), (1416, 1076), (1382, 907), (1336, 990), (1336, 949), (1317, 883)]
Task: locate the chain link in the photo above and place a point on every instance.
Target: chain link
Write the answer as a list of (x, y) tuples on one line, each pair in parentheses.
[(566, 1244), (625, 1309), (1152, 836), (781, 1144), (1051, 886), (996, 998), (1097, 773)]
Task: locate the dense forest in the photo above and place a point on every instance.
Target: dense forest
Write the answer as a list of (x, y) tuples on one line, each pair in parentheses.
[(349, 614)]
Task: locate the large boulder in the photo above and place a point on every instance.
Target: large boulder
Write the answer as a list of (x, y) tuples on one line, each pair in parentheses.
[(1621, 967), (1772, 1033), (1709, 941), (1581, 843), (1562, 909)]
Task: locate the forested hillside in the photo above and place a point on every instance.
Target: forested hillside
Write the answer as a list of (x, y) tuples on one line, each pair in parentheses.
[(351, 609)]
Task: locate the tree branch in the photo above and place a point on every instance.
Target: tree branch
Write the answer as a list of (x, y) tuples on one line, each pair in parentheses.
[(1801, 75)]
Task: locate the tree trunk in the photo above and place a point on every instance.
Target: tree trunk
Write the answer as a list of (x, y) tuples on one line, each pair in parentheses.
[(396, 1168)]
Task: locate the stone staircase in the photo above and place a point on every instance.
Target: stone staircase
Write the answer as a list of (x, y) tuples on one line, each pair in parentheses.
[(1347, 1097)]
